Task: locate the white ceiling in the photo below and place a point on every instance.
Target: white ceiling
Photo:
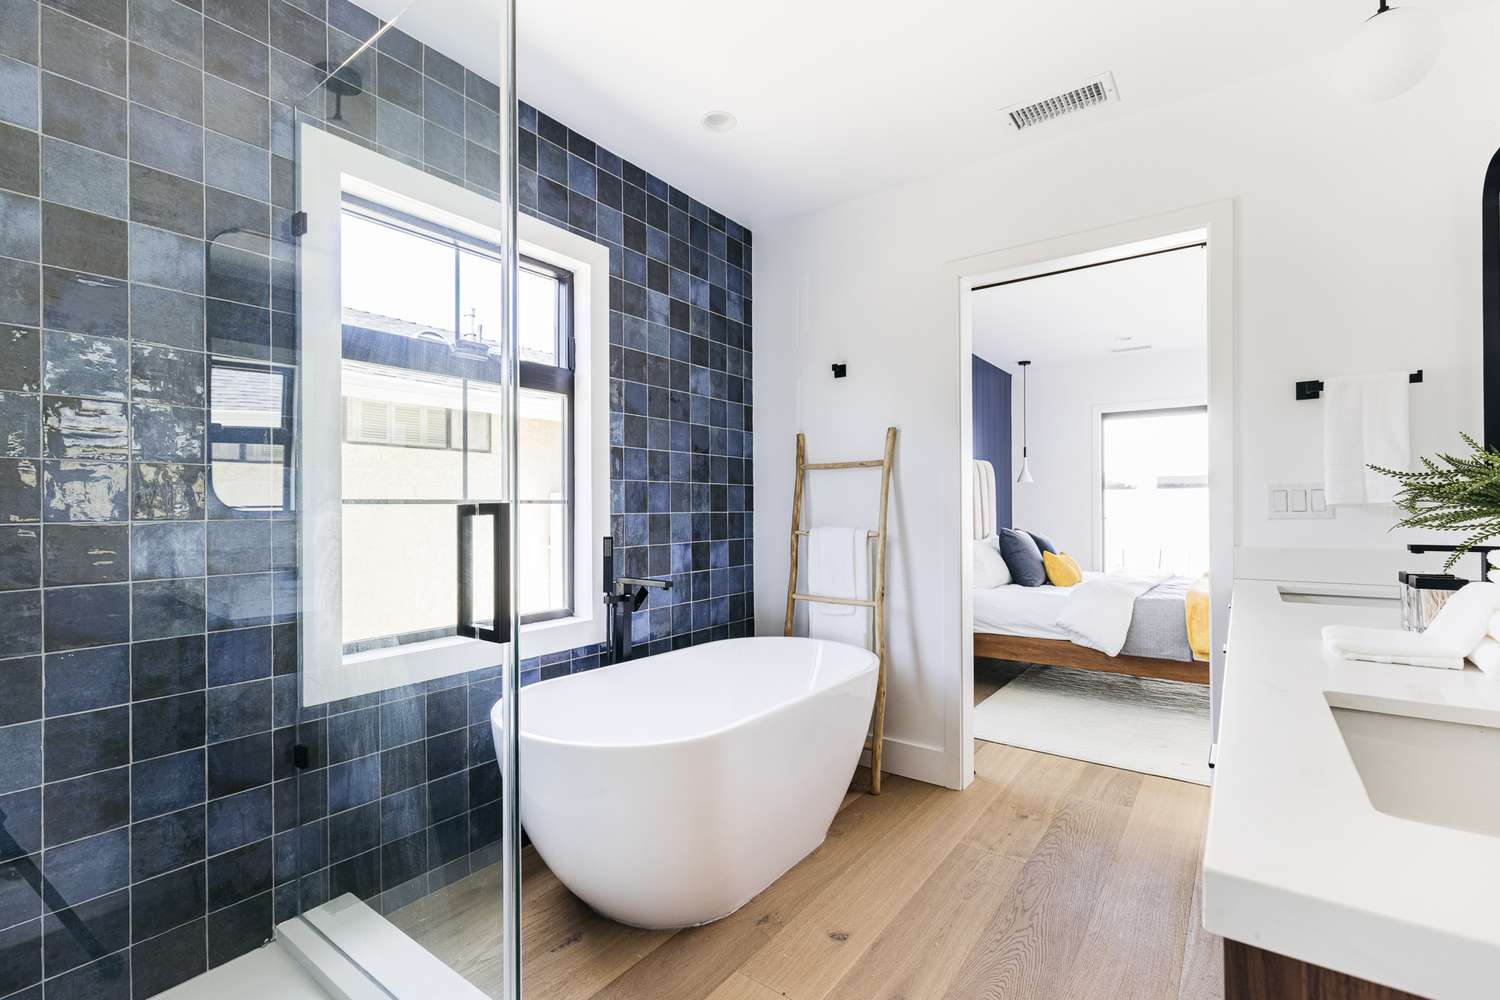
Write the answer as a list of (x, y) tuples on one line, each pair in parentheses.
[(1080, 315), (837, 98)]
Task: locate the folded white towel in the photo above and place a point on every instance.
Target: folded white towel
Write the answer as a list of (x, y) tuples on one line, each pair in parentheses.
[(1453, 634), (1366, 420), (1466, 617), (839, 566), (1486, 657), (1390, 645)]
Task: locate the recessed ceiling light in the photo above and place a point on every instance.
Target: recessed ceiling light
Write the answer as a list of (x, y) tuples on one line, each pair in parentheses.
[(719, 121)]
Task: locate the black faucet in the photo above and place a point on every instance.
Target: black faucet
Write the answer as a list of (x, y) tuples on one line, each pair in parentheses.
[(624, 596)]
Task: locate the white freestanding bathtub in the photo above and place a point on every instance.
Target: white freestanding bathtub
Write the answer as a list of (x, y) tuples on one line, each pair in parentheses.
[(668, 791)]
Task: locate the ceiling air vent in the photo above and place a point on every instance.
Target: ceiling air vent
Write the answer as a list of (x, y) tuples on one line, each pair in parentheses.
[(1100, 90)]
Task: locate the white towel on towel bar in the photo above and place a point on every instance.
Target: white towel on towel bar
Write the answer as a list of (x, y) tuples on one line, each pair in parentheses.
[(839, 566), (1366, 421)]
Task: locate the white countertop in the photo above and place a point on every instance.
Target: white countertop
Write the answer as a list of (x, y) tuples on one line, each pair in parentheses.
[(1297, 860)]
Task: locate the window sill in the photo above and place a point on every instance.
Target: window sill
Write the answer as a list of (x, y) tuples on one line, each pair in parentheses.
[(558, 634)]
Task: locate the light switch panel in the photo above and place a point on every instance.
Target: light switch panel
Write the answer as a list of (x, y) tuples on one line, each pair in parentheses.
[(1297, 500)]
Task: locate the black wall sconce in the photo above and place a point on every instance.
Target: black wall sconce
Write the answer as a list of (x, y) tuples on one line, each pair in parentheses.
[(839, 371)]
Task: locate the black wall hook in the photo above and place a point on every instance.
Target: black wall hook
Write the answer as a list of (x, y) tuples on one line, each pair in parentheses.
[(839, 371)]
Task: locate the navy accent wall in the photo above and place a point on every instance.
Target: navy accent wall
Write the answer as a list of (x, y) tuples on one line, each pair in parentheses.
[(992, 430), (151, 823)]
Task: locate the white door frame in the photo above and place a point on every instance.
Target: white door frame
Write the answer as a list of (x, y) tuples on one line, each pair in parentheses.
[(1215, 222)]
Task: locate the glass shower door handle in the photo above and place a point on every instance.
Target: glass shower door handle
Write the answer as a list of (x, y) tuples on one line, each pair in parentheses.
[(499, 631)]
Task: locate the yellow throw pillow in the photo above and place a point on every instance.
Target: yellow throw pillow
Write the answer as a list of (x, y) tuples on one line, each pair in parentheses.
[(1062, 569)]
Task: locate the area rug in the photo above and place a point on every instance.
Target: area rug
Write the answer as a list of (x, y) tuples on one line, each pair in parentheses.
[(1135, 723)]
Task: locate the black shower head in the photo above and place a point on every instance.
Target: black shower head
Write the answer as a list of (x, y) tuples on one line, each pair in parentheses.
[(345, 81)]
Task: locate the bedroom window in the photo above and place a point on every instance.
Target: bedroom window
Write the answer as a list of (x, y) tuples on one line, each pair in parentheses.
[(1155, 490)]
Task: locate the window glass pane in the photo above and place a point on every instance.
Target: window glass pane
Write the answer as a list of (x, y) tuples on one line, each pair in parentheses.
[(536, 305), (483, 459), (542, 559), (409, 406), (1155, 466), (393, 278), (480, 278), (396, 428), (543, 445), (400, 572)]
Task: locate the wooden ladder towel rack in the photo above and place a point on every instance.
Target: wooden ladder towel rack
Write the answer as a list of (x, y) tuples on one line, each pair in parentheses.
[(875, 743)]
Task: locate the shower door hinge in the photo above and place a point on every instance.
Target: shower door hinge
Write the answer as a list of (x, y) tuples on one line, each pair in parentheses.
[(301, 757), (299, 223)]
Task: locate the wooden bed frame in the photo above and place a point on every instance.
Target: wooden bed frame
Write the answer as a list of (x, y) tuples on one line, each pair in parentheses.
[(1062, 653)]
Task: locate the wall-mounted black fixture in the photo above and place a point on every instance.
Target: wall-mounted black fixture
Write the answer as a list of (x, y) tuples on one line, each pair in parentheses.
[(1483, 551), (1312, 388), (1489, 204), (342, 81), (839, 371)]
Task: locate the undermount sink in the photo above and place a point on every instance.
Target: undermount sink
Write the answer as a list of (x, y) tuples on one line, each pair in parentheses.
[(1431, 771), (1349, 595)]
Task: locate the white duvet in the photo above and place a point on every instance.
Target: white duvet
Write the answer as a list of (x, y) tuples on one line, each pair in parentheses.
[(1101, 620), (1099, 612)]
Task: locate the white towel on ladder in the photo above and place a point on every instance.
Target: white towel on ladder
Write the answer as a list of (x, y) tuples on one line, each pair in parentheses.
[(1366, 421), (839, 566)]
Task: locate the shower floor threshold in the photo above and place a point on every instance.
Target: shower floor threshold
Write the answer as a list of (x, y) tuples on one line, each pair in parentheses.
[(269, 971), (356, 954)]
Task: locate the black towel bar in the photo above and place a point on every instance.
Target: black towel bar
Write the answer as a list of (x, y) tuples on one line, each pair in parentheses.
[(1313, 388)]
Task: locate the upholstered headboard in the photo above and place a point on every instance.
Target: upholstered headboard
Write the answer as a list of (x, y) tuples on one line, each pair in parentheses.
[(984, 498)]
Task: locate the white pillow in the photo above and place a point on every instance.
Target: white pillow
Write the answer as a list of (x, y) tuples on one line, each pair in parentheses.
[(990, 570)]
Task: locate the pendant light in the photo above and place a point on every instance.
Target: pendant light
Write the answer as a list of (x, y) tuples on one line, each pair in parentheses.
[(1390, 54), (1025, 476)]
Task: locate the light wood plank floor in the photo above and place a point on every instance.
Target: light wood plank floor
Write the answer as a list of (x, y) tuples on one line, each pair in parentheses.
[(1048, 878)]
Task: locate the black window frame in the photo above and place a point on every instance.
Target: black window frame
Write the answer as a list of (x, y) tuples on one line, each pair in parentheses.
[(559, 379)]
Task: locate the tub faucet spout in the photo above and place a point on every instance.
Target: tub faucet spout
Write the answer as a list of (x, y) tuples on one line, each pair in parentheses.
[(624, 600)]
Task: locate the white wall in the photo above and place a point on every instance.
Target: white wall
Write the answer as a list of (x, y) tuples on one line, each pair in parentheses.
[(1060, 504), (1358, 250)]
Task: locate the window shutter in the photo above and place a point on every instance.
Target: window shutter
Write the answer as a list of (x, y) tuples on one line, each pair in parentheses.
[(406, 424), (371, 420), (435, 427)]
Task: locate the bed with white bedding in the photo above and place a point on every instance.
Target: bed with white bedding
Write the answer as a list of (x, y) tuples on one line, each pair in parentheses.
[(1116, 623), (1158, 626)]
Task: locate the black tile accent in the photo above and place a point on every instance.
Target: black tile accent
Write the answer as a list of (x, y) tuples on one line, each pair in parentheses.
[(84, 806), (87, 553), (168, 901), (169, 725)]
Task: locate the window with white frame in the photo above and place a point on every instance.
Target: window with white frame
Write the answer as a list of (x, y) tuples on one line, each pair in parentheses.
[(407, 269), (1155, 490)]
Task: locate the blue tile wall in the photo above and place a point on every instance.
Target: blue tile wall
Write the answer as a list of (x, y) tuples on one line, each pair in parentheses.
[(681, 496), (151, 823)]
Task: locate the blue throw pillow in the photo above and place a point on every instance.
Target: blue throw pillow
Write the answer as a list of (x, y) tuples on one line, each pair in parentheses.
[(1043, 542), (1022, 557)]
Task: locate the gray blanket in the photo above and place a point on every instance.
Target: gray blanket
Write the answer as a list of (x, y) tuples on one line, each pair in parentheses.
[(1159, 626)]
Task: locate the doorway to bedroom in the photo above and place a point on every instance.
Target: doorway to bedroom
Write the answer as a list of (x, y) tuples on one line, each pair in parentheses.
[(1091, 541)]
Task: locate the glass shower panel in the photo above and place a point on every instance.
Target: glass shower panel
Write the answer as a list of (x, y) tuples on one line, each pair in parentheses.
[(401, 855)]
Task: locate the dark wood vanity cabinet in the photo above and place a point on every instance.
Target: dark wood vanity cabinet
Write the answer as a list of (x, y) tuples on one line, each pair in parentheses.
[(1252, 973)]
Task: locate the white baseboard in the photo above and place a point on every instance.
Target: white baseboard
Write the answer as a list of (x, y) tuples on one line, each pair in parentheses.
[(913, 760)]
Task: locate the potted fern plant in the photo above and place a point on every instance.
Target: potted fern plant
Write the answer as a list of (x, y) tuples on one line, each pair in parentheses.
[(1453, 493)]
